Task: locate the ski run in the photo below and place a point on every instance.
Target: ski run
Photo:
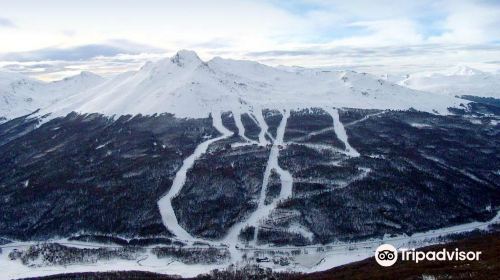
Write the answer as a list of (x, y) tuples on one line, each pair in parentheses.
[(165, 203), (263, 210)]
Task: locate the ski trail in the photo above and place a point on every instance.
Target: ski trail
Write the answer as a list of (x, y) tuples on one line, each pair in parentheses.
[(462, 171), (285, 177), (263, 210), (314, 133), (165, 203), (364, 118), (264, 129), (341, 133), (241, 127)]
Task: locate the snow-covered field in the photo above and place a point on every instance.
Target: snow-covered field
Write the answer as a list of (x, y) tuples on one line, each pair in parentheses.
[(310, 259)]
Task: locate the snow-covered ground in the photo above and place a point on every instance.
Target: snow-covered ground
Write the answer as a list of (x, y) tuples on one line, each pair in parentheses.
[(340, 132), (189, 87), (146, 262), (311, 258)]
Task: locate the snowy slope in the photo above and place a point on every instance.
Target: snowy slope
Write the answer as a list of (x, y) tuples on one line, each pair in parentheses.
[(183, 85), (21, 95), (16, 95), (188, 87), (460, 80)]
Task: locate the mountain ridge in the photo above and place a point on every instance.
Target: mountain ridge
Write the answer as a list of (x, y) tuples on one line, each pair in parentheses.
[(186, 86), (21, 95), (456, 81)]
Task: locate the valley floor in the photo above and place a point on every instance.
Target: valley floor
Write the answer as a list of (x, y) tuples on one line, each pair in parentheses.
[(487, 267), (307, 259)]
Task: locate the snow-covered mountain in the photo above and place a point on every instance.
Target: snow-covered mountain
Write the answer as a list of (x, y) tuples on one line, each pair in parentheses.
[(460, 80), (254, 159), (21, 95), (189, 87), (16, 95)]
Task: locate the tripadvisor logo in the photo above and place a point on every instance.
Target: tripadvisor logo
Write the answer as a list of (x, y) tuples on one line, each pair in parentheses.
[(387, 255)]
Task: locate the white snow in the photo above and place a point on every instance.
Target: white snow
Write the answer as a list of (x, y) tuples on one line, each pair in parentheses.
[(241, 127), (264, 210), (310, 260), (341, 133), (297, 228), (365, 118), (419, 125), (459, 80), (21, 95), (147, 262), (189, 87), (264, 129), (165, 203)]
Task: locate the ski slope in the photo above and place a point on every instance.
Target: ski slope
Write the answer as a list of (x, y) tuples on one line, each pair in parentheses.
[(165, 203)]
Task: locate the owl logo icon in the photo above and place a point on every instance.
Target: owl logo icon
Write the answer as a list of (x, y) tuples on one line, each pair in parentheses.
[(386, 255)]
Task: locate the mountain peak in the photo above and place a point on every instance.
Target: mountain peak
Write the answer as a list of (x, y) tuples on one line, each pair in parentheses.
[(184, 57)]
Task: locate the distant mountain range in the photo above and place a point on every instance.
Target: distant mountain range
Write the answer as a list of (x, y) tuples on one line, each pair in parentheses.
[(188, 87), (21, 95), (457, 81)]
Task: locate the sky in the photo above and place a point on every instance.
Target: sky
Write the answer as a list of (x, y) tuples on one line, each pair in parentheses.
[(51, 39)]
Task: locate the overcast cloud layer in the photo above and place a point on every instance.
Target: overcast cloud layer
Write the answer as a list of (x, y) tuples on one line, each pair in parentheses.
[(55, 38)]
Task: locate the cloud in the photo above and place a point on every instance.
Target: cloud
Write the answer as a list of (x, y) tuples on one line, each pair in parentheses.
[(79, 53), (104, 66), (386, 59), (393, 23), (470, 22), (5, 22), (391, 32), (217, 43), (431, 33), (69, 32)]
